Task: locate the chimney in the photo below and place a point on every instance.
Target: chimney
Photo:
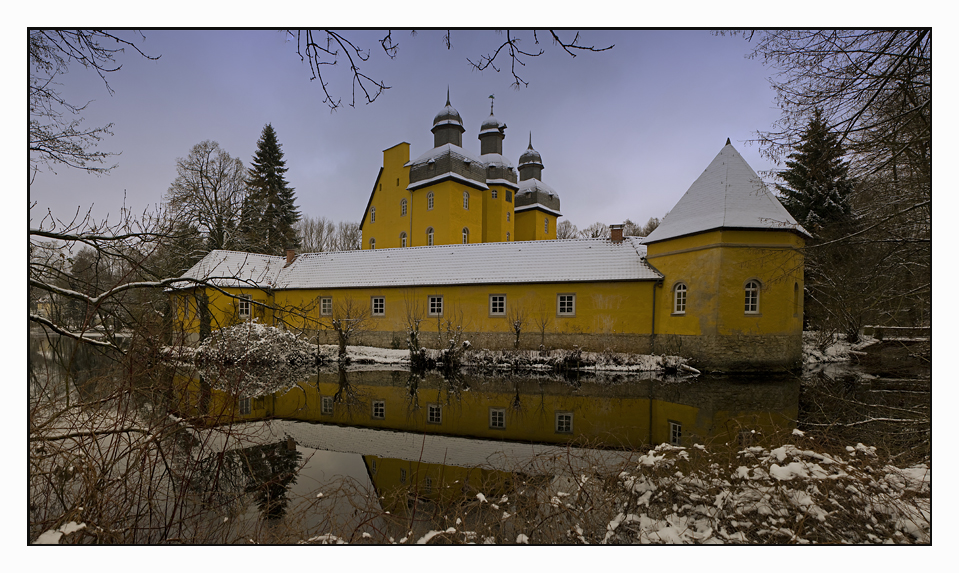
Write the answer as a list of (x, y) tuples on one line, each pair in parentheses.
[(616, 233), (290, 255)]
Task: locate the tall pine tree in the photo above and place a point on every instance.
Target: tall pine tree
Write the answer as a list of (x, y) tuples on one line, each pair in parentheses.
[(269, 209), (818, 187)]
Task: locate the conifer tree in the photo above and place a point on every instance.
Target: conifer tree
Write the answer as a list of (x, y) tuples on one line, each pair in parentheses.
[(818, 186), (269, 210)]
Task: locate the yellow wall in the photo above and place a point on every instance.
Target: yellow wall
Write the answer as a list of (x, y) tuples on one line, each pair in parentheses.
[(389, 190), (529, 225), (601, 307), (715, 267), (495, 225)]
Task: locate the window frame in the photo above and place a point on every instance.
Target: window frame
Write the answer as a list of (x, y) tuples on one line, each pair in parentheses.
[(502, 304), (559, 304), (752, 297), (497, 418), (429, 236), (507, 216), (509, 196), (325, 304), (675, 433), (326, 405), (466, 235), (430, 299), (507, 236), (429, 201), (381, 406), (545, 225), (372, 214), (372, 243), (243, 300), (403, 239), (567, 426), (466, 200), (434, 414), (403, 206), (493, 194), (679, 306), (245, 406), (382, 304)]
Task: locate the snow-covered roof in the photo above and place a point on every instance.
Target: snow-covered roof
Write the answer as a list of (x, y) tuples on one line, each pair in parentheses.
[(728, 194), (570, 260), (496, 159), (448, 148), (235, 269), (533, 185)]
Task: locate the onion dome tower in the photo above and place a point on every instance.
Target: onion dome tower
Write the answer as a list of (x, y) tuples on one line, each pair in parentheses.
[(532, 191), (498, 168), (448, 126)]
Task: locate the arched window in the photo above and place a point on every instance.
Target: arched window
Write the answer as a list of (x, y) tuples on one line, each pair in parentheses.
[(752, 296), (372, 214), (403, 239), (507, 236), (403, 208), (372, 244), (546, 226), (679, 299), (429, 201), (429, 237), (466, 199), (466, 235)]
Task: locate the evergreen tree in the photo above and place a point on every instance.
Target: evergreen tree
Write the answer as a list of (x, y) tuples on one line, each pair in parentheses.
[(818, 186), (269, 212)]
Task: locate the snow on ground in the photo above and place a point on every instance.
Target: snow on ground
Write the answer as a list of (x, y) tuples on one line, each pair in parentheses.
[(836, 350)]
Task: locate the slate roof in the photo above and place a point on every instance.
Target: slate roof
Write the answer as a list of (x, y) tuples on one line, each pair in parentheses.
[(728, 194), (570, 260)]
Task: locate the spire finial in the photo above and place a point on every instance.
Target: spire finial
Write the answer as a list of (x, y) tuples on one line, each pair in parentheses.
[(447, 95), (530, 140), (491, 99), (728, 142)]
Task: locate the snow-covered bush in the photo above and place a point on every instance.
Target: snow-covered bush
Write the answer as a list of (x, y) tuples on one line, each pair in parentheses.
[(252, 343)]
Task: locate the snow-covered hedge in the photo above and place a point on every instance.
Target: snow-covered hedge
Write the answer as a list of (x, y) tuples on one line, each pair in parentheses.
[(252, 343)]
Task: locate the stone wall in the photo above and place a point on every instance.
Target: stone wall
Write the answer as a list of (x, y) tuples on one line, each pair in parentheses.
[(735, 353)]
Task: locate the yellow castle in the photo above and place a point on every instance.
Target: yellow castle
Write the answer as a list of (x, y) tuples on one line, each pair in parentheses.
[(458, 242)]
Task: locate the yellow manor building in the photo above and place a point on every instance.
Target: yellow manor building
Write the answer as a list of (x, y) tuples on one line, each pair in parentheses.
[(455, 242)]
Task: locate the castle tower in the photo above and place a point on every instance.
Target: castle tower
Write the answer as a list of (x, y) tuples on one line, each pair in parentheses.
[(537, 204), (498, 216)]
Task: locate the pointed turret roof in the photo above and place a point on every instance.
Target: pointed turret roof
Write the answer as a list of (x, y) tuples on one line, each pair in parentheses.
[(727, 195)]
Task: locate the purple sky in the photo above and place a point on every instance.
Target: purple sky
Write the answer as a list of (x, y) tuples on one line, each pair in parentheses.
[(622, 133)]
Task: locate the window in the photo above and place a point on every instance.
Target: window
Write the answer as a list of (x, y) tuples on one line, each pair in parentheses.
[(752, 297), (507, 236), (566, 305), (326, 306), (244, 406), (379, 409), (466, 235), (373, 466), (326, 406), (379, 306), (679, 299), (429, 237), (429, 200), (466, 200), (436, 305), (434, 414), (546, 226), (244, 308), (403, 239), (403, 208), (497, 418), (564, 422), (372, 214), (507, 216), (428, 488), (372, 244), (402, 475), (675, 433), (509, 196), (497, 305), (493, 194)]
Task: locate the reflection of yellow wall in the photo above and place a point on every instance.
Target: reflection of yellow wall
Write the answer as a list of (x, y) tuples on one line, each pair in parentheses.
[(715, 267), (529, 225)]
